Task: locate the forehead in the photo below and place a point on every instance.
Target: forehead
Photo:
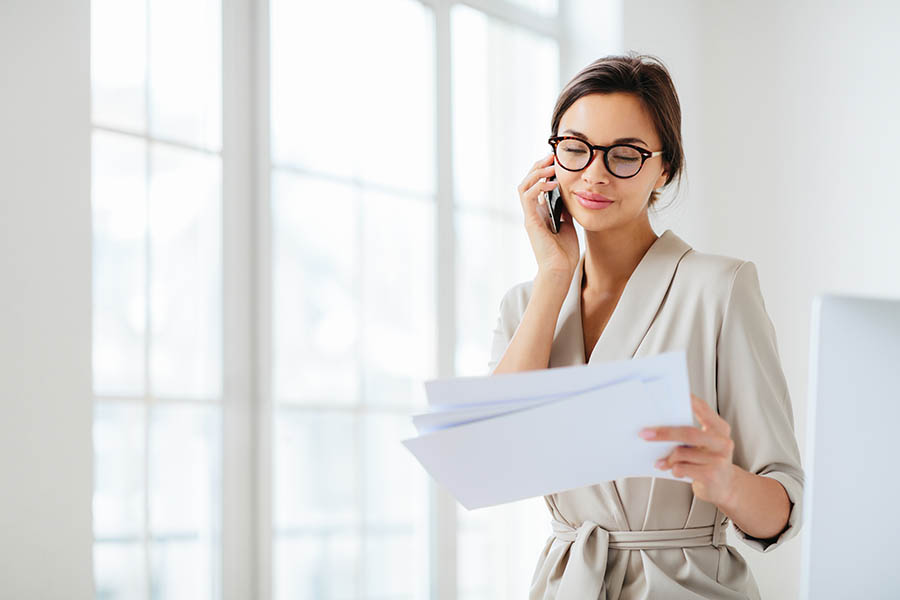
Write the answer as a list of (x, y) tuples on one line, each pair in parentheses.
[(607, 117)]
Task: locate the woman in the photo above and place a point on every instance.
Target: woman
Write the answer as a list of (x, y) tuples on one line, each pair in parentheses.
[(633, 293)]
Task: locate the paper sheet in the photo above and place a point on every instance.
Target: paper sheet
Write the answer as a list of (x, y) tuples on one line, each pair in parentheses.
[(455, 392), (502, 438)]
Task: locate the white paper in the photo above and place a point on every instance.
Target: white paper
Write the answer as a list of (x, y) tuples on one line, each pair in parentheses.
[(456, 392), (428, 422), (459, 400), (521, 444)]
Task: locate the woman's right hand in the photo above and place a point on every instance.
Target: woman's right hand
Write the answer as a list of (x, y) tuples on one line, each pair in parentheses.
[(557, 254)]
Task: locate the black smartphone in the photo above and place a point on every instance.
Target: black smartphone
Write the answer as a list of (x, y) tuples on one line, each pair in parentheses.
[(554, 204)]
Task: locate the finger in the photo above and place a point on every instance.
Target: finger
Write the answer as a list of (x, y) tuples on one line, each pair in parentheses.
[(684, 454), (541, 161), (699, 408), (686, 470), (534, 176), (709, 418), (691, 435), (547, 159), (543, 188), (530, 198)]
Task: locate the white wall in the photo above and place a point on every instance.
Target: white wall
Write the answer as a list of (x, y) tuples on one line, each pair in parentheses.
[(45, 293), (791, 135)]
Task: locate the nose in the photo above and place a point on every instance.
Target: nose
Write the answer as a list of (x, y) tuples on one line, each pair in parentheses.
[(596, 172)]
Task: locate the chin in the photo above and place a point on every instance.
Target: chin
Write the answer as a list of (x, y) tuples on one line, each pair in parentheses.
[(598, 227), (591, 222)]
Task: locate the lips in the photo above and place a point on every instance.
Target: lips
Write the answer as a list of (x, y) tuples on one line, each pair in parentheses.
[(593, 197)]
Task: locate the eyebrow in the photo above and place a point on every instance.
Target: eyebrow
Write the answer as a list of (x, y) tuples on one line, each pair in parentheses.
[(625, 140)]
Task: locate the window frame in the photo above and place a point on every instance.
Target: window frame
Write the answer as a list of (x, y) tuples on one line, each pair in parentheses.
[(246, 404)]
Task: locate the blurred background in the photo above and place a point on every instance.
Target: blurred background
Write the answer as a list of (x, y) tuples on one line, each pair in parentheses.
[(237, 235)]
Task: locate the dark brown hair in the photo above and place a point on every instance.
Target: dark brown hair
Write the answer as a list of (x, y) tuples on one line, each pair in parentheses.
[(646, 77)]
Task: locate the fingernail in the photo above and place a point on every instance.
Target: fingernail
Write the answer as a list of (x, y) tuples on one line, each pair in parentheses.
[(647, 434), (658, 464)]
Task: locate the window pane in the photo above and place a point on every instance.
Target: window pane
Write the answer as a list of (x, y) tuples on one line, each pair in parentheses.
[(323, 567), (186, 280), (315, 479), (505, 83), (398, 297), (498, 548), (396, 567), (396, 496), (353, 99), (473, 565), (315, 241), (317, 519), (482, 283), (185, 501), (185, 471), (119, 63), (186, 72), (181, 571), (119, 208), (119, 572), (396, 489), (118, 507)]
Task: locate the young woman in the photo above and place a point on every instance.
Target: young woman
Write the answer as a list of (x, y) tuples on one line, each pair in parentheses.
[(616, 139)]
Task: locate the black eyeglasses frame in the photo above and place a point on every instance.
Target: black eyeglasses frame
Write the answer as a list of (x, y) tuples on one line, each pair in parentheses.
[(645, 154)]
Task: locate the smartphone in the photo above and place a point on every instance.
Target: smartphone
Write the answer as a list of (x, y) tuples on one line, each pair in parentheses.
[(554, 204)]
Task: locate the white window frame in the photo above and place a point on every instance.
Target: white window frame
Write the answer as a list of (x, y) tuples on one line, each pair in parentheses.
[(240, 440)]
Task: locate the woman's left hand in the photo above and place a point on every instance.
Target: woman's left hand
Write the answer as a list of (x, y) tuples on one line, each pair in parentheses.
[(706, 456)]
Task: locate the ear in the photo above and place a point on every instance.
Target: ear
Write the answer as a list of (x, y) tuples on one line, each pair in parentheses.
[(661, 180)]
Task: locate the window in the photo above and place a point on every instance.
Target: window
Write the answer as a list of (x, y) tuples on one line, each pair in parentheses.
[(353, 294), (157, 300), (385, 161)]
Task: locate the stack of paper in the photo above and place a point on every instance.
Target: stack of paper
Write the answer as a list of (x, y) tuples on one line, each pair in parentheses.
[(500, 438)]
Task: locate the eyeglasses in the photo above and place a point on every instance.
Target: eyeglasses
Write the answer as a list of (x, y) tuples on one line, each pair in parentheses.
[(622, 160)]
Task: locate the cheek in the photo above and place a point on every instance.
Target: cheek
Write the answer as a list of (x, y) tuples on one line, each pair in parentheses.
[(567, 180), (561, 174), (637, 189)]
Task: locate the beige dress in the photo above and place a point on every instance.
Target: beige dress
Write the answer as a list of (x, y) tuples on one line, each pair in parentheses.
[(647, 537)]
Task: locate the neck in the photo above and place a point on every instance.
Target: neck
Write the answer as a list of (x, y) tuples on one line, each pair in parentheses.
[(612, 255)]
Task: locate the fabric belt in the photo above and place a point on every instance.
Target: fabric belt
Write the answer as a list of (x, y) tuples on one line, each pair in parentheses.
[(639, 540), (586, 568)]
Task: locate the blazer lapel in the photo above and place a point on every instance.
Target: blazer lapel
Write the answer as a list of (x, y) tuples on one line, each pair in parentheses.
[(634, 313), (568, 340)]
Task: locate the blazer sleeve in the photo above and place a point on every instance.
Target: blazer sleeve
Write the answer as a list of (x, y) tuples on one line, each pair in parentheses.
[(752, 395), (504, 328)]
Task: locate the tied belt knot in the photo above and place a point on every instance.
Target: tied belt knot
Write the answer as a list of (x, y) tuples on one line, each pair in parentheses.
[(586, 568)]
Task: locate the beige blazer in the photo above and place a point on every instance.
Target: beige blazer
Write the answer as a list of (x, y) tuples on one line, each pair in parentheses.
[(648, 537)]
